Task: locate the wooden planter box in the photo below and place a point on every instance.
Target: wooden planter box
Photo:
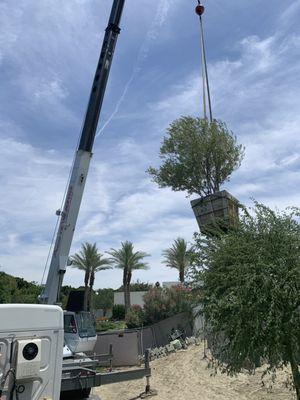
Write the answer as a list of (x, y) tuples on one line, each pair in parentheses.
[(216, 210)]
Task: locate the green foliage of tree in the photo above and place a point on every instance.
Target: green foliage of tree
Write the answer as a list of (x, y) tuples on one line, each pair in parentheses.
[(64, 295), (161, 303), (104, 299), (137, 287), (197, 156), (90, 261), (128, 260), (251, 287), (8, 287), (135, 317), (105, 326), (118, 312), (178, 256), (17, 290)]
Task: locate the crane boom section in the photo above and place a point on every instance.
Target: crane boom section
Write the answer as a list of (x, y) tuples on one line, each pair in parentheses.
[(100, 80), (68, 217)]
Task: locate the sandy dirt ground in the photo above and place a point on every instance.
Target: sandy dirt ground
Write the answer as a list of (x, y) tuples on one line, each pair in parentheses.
[(184, 376)]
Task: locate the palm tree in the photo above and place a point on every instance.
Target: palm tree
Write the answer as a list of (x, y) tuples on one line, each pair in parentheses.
[(128, 260), (90, 261), (178, 256)]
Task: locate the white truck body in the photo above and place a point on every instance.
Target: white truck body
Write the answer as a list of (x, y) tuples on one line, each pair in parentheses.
[(31, 343)]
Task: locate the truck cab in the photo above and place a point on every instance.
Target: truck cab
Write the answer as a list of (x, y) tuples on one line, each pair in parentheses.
[(80, 333)]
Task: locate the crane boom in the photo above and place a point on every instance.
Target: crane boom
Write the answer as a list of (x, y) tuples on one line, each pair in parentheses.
[(69, 214)]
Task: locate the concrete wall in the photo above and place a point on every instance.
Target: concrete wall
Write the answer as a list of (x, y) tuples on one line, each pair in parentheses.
[(125, 347), (135, 298), (128, 345), (169, 285), (99, 313), (162, 330)]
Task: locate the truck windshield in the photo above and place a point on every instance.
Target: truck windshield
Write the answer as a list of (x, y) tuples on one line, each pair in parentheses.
[(85, 324), (69, 324)]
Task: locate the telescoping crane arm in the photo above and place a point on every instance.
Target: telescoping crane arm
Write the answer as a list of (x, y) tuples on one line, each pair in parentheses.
[(68, 216)]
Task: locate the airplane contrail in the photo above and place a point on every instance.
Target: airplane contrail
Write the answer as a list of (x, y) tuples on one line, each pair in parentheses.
[(159, 19)]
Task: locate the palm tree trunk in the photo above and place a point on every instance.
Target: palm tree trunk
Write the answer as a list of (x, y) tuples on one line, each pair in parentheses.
[(181, 275), (125, 290), (128, 291), (86, 290), (127, 298), (126, 285), (86, 298), (92, 281)]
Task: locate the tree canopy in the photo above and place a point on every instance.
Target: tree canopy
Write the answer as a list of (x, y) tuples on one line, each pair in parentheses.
[(137, 286), (178, 256), (17, 290), (104, 299), (251, 290), (128, 260), (197, 156), (89, 260)]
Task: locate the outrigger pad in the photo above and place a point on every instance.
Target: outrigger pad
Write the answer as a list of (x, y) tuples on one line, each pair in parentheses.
[(150, 393)]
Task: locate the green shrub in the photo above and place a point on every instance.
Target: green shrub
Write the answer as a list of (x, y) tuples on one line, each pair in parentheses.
[(135, 317), (118, 312), (162, 303), (104, 326), (137, 286)]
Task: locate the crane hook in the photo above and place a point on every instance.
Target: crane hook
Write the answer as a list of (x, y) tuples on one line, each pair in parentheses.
[(199, 9)]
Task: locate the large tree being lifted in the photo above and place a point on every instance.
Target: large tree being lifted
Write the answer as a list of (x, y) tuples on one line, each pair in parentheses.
[(198, 156)]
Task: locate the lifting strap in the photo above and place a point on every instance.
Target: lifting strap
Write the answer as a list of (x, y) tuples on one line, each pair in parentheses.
[(205, 81)]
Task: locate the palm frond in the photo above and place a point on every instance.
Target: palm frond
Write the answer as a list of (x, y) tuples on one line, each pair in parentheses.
[(127, 258), (178, 255)]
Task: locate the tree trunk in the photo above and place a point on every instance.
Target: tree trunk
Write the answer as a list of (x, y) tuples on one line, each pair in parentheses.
[(127, 298), (125, 287), (86, 290), (92, 280), (126, 284), (128, 291), (295, 370), (86, 298), (181, 275)]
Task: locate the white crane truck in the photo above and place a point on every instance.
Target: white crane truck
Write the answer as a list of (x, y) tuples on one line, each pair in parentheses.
[(32, 365)]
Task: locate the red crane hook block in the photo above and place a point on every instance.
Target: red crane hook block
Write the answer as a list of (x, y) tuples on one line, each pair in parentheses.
[(200, 9)]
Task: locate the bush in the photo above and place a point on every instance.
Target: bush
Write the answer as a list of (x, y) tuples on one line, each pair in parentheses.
[(118, 312), (137, 287), (104, 326), (162, 303), (135, 317)]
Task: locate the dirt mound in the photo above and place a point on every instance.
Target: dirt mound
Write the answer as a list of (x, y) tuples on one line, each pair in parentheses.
[(184, 376)]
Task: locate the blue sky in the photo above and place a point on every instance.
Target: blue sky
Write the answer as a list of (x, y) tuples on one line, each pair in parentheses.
[(48, 54)]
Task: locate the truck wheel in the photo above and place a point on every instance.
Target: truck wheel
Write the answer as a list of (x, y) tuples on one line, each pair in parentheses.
[(76, 394)]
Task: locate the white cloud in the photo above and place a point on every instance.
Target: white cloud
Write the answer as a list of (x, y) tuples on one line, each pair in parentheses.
[(110, 213), (290, 14), (258, 95), (46, 90), (256, 91)]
